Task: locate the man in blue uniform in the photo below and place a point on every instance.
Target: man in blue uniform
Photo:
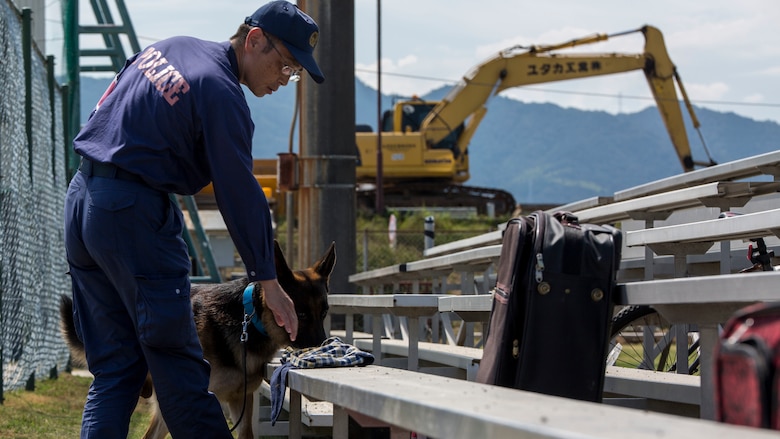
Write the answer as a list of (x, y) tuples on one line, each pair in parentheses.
[(174, 120)]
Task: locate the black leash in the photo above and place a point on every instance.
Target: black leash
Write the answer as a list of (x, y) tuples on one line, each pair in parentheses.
[(244, 338)]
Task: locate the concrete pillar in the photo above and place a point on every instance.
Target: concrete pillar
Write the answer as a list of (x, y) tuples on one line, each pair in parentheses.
[(326, 198)]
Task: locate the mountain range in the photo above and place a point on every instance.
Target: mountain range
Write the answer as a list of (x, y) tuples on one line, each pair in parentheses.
[(541, 153)]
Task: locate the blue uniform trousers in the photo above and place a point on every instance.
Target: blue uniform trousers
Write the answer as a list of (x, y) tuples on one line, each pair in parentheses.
[(130, 273)]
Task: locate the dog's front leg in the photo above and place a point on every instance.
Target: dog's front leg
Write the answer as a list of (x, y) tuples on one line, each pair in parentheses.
[(157, 428), (235, 406)]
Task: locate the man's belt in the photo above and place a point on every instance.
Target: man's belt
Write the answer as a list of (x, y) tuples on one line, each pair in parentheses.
[(107, 170)]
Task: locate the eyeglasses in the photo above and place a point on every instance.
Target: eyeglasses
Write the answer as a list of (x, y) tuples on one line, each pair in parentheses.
[(295, 75)]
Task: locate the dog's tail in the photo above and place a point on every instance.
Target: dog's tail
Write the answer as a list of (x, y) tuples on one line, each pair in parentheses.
[(78, 356), (68, 331)]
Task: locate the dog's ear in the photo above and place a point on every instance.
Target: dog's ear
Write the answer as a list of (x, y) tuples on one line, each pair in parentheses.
[(283, 270), (324, 266)]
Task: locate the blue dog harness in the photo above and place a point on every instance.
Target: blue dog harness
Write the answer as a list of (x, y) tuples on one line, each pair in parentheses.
[(250, 314)]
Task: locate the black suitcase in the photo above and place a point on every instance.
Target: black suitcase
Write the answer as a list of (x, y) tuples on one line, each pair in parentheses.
[(552, 307)]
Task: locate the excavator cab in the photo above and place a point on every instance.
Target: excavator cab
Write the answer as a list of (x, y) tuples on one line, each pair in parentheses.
[(407, 116), (412, 114), (387, 121)]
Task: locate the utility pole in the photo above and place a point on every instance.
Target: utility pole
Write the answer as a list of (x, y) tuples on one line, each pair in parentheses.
[(380, 193)]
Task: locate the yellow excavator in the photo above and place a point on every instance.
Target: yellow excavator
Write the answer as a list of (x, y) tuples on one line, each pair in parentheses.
[(425, 156)]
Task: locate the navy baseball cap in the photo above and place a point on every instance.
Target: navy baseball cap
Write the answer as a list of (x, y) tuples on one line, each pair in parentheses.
[(298, 32)]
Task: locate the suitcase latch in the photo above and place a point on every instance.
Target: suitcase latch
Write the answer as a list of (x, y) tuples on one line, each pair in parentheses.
[(539, 267)]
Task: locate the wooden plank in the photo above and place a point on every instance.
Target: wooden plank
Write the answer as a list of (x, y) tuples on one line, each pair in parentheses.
[(472, 260), (489, 238), (751, 225), (582, 204), (716, 194), (477, 257), (768, 163), (456, 356), (702, 290), (470, 308), (377, 276), (662, 386), (665, 201), (403, 305), (448, 408)]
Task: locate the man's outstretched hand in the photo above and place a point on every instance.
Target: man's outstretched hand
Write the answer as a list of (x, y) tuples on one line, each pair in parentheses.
[(281, 305)]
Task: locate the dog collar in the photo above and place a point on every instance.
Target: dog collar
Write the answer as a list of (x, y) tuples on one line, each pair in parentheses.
[(249, 309)]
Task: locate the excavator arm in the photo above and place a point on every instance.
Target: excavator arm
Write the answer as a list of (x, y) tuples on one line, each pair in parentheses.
[(426, 157), (517, 66)]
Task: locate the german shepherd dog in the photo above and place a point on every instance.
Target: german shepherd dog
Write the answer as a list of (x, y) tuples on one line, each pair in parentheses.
[(219, 315)]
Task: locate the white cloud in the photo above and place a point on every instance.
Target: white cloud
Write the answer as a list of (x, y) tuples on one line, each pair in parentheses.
[(756, 98), (407, 62), (724, 50), (707, 92), (769, 71)]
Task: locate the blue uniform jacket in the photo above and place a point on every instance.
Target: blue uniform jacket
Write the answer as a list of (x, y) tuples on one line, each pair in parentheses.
[(177, 117)]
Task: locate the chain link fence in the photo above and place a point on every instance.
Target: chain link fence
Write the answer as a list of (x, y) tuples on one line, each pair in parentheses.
[(378, 248), (32, 190)]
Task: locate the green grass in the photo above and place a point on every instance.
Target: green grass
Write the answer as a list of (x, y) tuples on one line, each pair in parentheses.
[(53, 410), (632, 354)]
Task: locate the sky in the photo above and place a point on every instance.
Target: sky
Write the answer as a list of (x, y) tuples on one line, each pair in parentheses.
[(727, 52)]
